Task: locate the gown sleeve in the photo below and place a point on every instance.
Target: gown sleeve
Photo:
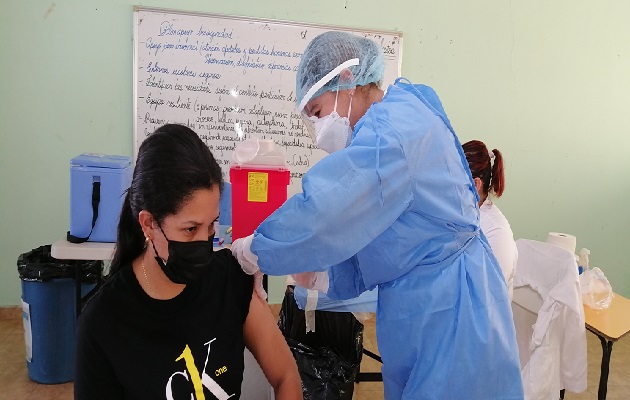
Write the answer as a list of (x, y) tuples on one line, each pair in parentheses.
[(348, 199), (345, 280)]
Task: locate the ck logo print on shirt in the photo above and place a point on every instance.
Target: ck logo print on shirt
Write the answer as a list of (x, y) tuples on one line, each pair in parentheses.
[(191, 374)]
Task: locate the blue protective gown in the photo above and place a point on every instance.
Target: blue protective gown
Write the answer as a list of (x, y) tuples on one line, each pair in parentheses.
[(398, 209)]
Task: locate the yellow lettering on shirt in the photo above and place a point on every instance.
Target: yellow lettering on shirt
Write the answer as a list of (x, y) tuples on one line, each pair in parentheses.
[(193, 371), (220, 371)]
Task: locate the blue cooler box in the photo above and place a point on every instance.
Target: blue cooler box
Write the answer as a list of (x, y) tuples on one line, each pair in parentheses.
[(107, 173)]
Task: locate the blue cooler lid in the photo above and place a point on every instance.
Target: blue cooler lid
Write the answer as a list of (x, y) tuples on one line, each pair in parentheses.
[(101, 160)]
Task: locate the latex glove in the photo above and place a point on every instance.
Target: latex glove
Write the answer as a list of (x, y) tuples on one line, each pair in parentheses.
[(258, 285), (243, 254), (312, 280)]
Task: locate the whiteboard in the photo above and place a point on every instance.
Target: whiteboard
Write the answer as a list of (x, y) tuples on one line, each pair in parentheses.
[(229, 78)]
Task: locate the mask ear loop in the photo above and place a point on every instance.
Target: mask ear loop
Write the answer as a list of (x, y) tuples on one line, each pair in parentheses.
[(349, 111), (337, 97), (156, 253), (350, 107), (163, 234), (350, 92), (153, 244), (349, 138)]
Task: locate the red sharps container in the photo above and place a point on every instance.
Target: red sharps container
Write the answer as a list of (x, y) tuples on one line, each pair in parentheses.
[(260, 178)]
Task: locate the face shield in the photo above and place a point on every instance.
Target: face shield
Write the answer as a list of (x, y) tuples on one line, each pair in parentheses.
[(310, 121)]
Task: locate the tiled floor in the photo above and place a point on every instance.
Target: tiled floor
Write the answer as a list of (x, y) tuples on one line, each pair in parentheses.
[(15, 384)]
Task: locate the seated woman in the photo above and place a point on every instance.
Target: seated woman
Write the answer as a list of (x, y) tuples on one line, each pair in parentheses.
[(489, 180), (174, 316)]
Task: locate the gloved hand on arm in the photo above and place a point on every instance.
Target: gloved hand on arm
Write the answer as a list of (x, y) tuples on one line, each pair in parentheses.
[(241, 250), (312, 280)]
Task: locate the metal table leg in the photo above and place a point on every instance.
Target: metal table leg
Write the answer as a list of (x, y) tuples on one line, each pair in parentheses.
[(603, 377), (370, 376)]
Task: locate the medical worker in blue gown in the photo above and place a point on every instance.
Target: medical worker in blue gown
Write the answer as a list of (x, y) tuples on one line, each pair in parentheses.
[(393, 205)]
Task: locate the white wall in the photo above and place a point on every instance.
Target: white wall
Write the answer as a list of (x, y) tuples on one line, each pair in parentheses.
[(547, 83)]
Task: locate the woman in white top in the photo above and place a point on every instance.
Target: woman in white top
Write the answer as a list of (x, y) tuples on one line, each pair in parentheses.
[(487, 171)]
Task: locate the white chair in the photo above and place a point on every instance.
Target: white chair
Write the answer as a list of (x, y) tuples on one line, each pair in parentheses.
[(255, 385), (549, 321)]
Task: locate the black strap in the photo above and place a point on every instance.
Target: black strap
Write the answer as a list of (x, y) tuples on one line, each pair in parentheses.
[(96, 199)]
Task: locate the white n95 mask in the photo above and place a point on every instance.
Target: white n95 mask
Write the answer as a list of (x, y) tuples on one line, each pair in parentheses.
[(333, 132)]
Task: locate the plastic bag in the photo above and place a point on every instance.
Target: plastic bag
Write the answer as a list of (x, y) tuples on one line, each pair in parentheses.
[(328, 359), (38, 265), (596, 290)]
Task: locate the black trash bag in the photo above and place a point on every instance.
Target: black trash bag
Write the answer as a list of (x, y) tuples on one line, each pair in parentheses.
[(329, 358), (38, 265)]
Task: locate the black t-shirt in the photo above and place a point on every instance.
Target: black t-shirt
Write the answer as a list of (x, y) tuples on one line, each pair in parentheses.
[(131, 346)]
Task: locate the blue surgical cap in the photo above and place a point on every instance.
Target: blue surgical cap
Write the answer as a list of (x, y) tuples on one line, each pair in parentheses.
[(331, 49)]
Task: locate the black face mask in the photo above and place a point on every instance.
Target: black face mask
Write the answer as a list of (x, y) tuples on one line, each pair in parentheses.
[(187, 261)]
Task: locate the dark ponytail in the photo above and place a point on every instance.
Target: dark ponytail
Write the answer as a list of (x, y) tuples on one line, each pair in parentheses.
[(498, 179), (482, 167), (130, 242), (172, 163)]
